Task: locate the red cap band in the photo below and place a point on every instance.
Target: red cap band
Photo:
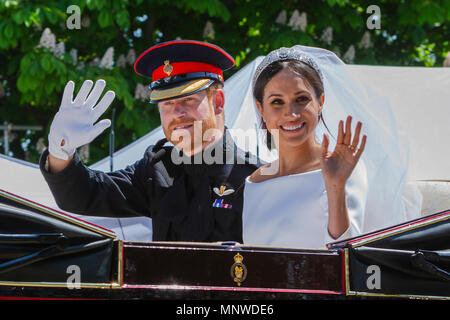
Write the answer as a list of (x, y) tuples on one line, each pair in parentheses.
[(185, 67)]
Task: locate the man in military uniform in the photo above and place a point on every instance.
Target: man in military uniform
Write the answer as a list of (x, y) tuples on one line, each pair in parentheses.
[(188, 197)]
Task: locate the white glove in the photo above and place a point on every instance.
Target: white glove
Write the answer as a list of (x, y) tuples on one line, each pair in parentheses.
[(74, 122)]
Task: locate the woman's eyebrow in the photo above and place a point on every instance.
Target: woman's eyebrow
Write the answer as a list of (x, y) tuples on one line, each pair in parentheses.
[(280, 95), (302, 91), (275, 95)]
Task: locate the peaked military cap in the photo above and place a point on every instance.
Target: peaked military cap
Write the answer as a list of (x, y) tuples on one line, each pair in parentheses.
[(182, 67)]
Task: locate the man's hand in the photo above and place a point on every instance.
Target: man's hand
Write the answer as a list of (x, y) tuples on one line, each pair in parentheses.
[(73, 125)]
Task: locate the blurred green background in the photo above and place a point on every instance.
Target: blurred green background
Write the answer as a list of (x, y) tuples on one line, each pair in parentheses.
[(40, 49)]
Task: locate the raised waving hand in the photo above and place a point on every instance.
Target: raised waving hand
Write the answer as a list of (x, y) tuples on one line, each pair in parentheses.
[(338, 165), (74, 124)]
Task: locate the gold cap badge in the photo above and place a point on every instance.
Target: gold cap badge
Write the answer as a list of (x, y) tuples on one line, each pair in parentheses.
[(168, 68)]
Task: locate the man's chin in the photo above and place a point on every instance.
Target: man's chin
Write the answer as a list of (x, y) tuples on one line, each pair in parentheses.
[(187, 149)]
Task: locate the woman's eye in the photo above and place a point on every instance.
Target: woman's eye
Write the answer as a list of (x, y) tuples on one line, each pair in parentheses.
[(303, 99), (277, 101)]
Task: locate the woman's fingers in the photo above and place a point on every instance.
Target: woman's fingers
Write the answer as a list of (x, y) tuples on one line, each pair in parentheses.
[(348, 131), (361, 148), (344, 137), (357, 133), (325, 143), (340, 138)]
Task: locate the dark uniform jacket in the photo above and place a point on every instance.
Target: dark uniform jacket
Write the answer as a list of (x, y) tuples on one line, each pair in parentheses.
[(184, 200)]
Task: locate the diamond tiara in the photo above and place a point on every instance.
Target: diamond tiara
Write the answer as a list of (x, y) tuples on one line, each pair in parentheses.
[(283, 53)]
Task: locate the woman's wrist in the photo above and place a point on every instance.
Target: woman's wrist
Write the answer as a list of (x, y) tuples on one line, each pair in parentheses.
[(338, 220), (335, 186)]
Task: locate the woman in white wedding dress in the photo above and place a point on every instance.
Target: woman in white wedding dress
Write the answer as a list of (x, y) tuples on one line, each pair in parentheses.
[(312, 194)]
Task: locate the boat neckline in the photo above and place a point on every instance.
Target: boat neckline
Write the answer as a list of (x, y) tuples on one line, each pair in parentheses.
[(285, 176)]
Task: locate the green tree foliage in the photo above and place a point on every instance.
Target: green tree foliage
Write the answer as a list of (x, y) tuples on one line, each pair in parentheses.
[(412, 32)]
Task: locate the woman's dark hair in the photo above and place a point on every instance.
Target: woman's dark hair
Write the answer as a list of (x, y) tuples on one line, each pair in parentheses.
[(305, 71)]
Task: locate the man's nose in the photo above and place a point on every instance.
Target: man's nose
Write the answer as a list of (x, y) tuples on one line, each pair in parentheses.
[(179, 109)]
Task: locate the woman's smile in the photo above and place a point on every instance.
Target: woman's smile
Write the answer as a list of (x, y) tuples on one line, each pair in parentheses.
[(293, 126)]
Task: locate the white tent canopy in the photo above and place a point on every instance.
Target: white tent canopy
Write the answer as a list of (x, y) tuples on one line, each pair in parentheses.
[(420, 99)]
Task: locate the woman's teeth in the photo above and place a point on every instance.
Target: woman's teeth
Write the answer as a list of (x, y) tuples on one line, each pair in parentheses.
[(292, 128)]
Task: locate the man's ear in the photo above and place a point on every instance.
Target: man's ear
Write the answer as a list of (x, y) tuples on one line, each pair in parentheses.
[(219, 101)]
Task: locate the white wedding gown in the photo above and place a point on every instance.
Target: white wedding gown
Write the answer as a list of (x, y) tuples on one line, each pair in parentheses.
[(292, 211)]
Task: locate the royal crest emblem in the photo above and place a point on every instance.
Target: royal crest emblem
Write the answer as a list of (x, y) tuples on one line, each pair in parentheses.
[(238, 270), (168, 68)]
